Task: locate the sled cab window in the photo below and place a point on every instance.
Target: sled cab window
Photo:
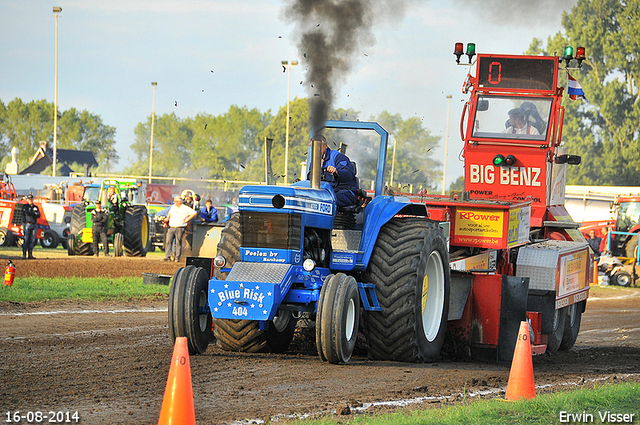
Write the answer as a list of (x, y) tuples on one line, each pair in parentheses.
[(511, 117)]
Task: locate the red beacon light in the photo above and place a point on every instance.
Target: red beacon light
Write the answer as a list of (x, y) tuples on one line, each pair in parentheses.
[(458, 51), (580, 55)]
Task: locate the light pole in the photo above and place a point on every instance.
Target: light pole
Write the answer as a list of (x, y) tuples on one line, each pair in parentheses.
[(446, 146), (57, 11), (393, 161), (286, 137), (153, 120)]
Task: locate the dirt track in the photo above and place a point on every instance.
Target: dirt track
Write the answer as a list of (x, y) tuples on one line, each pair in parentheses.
[(110, 361)]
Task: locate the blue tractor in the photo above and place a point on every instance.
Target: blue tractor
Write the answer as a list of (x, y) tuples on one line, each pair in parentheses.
[(289, 251)]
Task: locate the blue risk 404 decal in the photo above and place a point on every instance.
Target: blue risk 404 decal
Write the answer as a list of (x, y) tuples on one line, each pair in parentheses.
[(244, 297)]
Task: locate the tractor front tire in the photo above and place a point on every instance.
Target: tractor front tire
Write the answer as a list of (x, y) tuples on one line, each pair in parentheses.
[(246, 335), (79, 222), (71, 244), (189, 315), (136, 231), (410, 268), (337, 318), (118, 245)]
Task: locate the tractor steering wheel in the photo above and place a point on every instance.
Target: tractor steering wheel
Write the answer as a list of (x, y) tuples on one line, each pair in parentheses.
[(323, 174)]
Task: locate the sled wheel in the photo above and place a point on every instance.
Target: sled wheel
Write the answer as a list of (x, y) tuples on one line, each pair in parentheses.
[(339, 318), (571, 326), (410, 268), (555, 337)]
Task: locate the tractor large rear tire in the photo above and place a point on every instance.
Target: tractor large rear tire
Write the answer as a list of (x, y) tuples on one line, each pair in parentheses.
[(245, 335), (189, 315), (71, 244), (136, 231), (79, 222), (410, 268)]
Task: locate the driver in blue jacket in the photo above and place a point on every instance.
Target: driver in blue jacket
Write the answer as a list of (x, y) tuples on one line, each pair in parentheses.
[(340, 173)]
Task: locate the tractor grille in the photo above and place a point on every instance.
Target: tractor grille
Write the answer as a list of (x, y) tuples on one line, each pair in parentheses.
[(17, 214), (271, 230)]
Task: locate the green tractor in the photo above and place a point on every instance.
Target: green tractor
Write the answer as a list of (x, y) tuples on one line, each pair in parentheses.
[(128, 228)]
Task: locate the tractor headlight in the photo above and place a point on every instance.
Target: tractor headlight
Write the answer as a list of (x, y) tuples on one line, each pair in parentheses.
[(219, 261), (308, 264)]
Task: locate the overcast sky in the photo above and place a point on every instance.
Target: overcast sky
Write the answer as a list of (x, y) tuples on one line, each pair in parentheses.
[(207, 55)]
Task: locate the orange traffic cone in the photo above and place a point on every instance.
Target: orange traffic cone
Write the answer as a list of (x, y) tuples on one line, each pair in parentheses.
[(177, 406), (521, 384)]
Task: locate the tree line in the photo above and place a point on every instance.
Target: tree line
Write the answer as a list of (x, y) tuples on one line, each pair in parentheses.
[(25, 125), (230, 146)]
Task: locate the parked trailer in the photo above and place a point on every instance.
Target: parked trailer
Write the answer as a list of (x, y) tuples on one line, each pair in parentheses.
[(471, 266)]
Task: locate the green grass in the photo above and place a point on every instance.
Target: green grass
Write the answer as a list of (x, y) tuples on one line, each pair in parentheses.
[(545, 409), (33, 289)]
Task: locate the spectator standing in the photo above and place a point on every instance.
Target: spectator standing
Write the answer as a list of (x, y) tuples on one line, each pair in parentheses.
[(208, 213), (30, 216), (99, 223), (178, 218), (594, 242), (604, 239)]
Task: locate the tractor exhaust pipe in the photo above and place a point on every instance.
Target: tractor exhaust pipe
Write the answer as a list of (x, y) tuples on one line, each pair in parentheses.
[(316, 161)]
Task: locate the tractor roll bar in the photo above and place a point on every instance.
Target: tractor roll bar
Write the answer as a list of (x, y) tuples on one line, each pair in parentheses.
[(360, 125)]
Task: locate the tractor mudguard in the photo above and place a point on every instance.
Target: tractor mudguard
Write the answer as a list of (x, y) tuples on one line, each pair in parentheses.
[(377, 213)]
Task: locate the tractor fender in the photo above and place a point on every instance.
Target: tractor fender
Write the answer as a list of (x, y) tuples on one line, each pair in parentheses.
[(378, 212)]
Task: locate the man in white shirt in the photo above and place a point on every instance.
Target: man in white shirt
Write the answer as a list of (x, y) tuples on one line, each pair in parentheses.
[(518, 124), (178, 217)]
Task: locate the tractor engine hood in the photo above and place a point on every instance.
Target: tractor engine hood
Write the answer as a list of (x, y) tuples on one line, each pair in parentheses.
[(300, 199)]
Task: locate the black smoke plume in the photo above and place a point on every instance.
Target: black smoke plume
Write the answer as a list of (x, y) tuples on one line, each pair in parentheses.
[(332, 34)]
